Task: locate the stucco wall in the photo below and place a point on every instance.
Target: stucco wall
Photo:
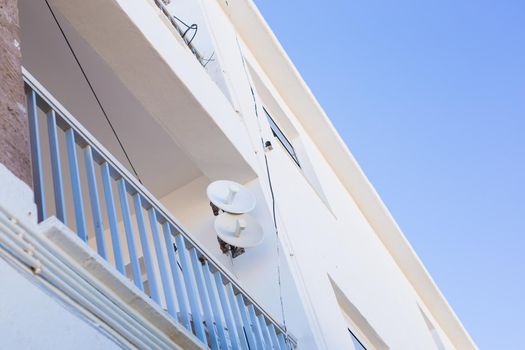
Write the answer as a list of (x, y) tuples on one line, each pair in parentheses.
[(33, 318)]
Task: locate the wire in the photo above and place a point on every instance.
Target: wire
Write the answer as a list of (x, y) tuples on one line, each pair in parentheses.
[(175, 249), (208, 60), (277, 236), (162, 5), (93, 90), (270, 185), (189, 27), (193, 26)]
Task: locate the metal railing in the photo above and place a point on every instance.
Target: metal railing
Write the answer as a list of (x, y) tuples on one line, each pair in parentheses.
[(179, 276)]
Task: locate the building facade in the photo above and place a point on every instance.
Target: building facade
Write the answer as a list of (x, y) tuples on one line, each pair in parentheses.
[(116, 117)]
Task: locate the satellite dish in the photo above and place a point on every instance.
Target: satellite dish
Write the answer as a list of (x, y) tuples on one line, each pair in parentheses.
[(239, 230), (231, 197)]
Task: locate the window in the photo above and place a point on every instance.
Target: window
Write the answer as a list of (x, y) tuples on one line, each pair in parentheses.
[(287, 130), (282, 138), (363, 335), (433, 331), (357, 343)]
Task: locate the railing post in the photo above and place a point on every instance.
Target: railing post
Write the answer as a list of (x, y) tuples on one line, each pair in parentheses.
[(203, 293), (95, 203), (244, 317), (265, 332), (214, 306), (36, 156), (146, 251), (190, 287), (166, 285), (112, 218), (56, 167), (255, 327), (236, 317), (130, 238), (282, 342), (273, 335), (176, 274), (227, 310), (78, 200)]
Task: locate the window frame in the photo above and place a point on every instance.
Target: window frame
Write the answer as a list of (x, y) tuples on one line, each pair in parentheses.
[(281, 136), (356, 339)]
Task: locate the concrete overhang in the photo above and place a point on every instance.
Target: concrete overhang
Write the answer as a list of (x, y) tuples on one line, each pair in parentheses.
[(270, 55), (146, 53)]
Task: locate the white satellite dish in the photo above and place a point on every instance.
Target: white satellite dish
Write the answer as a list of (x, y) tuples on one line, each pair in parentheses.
[(231, 197), (239, 230)]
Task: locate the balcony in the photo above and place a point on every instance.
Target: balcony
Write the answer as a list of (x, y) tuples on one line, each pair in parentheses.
[(119, 221)]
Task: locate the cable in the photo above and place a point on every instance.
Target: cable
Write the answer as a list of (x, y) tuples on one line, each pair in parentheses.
[(277, 243), (193, 26), (162, 5), (92, 90), (189, 27), (208, 60), (269, 184), (175, 249)]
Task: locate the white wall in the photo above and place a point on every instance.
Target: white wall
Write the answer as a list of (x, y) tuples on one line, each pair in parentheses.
[(33, 318)]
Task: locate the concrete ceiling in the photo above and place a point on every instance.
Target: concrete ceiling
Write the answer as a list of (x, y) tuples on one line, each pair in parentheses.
[(159, 161)]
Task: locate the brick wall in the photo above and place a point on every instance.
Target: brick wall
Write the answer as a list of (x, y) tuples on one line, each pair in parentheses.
[(14, 134)]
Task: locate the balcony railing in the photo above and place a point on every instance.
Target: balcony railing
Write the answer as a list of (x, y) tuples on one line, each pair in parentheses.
[(179, 276)]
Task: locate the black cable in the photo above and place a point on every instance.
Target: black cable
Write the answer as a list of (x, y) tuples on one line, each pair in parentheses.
[(270, 186), (92, 90), (193, 26), (175, 249), (277, 236), (189, 27), (162, 5), (182, 22)]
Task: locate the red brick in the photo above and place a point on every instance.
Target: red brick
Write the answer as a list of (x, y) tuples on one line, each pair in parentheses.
[(14, 133)]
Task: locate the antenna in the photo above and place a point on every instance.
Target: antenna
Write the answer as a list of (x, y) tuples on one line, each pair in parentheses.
[(231, 197), (235, 229), (241, 231)]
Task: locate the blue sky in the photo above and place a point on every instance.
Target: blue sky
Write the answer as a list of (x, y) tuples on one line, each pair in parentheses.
[(430, 98)]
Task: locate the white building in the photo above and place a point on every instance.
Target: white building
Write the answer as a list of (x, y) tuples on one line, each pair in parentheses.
[(180, 94)]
